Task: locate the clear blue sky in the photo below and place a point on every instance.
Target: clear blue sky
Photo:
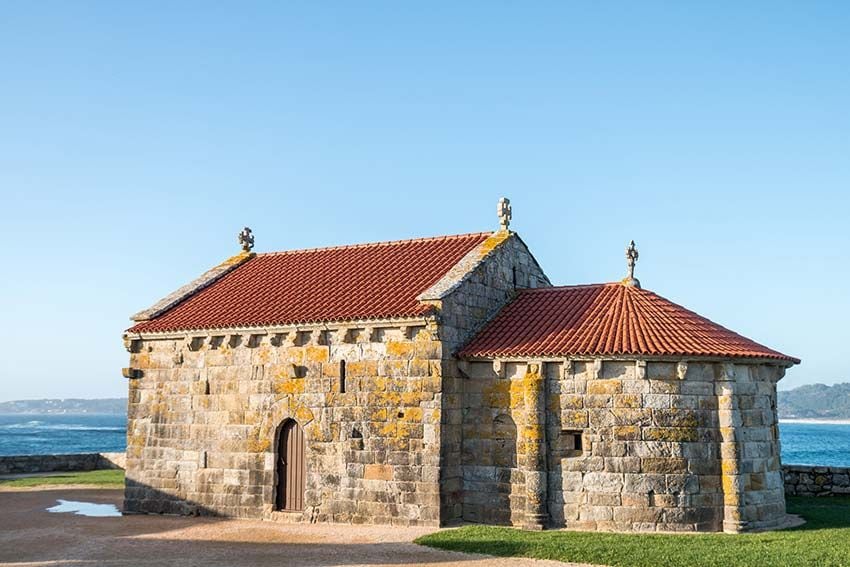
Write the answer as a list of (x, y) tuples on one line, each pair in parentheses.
[(138, 138)]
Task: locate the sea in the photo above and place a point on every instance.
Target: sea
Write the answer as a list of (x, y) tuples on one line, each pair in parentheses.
[(803, 443), (45, 434)]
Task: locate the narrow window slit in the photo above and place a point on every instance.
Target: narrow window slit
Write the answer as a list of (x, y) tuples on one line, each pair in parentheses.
[(341, 376)]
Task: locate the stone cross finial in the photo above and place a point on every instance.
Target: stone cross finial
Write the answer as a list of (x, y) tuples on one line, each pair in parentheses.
[(504, 211), (246, 239), (632, 257)]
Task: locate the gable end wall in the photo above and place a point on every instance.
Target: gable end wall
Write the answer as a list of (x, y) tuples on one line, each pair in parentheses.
[(468, 306)]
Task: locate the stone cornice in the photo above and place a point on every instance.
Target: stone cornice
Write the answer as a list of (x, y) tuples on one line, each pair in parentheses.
[(633, 358), (428, 322)]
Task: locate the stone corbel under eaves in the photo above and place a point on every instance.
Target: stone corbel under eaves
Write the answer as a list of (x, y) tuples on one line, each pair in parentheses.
[(287, 334), (727, 369)]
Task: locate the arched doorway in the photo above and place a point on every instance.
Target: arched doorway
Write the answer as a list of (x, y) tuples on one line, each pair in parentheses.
[(291, 467)]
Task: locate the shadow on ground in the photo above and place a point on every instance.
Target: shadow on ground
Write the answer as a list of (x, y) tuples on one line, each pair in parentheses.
[(29, 535)]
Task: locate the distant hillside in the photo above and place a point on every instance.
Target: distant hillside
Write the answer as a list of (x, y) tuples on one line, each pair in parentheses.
[(816, 401), (70, 405)]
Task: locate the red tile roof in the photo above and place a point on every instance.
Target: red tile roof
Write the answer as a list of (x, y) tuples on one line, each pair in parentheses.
[(606, 320), (367, 281)]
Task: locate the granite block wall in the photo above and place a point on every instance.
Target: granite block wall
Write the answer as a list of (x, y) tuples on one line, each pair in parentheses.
[(25, 464), (630, 445), (204, 417), (806, 480), (467, 298)]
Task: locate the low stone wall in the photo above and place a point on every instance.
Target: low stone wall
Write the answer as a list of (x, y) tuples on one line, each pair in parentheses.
[(26, 464), (804, 480)]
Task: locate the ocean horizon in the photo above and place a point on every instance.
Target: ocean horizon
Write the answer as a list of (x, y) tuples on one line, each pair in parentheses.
[(61, 433), (804, 441)]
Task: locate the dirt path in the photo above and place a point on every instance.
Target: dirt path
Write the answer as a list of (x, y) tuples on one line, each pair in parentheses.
[(30, 536)]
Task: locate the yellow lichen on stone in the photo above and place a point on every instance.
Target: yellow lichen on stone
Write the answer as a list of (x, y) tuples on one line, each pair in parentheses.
[(316, 354), (393, 368), (135, 445), (427, 349), (390, 398), (294, 355), (412, 415), (627, 401), (411, 398), (604, 387), (237, 259), (402, 350), (731, 490), (498, 395), (264, 354), (303, 414), (362, 368), (423, 335), (676, 417), (289, 386), (572, 401), (532, 432), (258, 446), (675, 434), (330, 370), (419, 367), (492, 242), (627, 432), (402, 430), (317, 433), (574, 419), (729, 468)]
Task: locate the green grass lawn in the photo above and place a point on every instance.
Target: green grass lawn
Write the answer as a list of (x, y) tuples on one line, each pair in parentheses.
[(112, 478), (824, 541)]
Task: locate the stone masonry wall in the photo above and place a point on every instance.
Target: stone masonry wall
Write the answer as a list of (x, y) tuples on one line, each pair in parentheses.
[(204, 417), (655, 451), (804, 480), (25, 464), (484, 283)]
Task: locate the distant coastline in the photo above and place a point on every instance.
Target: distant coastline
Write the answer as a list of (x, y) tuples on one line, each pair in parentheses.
[(65, 406), (813, 421), (816, 403)]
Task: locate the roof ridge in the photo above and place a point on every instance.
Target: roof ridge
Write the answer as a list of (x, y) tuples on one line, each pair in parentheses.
[(377, 244), (563, 287)]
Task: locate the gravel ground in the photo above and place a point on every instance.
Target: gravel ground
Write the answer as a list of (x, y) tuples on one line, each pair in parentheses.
[(30, 536)]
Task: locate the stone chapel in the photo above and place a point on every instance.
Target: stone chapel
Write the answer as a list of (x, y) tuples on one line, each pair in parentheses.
[(439, 380)]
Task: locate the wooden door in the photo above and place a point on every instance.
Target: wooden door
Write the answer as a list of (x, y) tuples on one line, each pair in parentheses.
[(291, 467)]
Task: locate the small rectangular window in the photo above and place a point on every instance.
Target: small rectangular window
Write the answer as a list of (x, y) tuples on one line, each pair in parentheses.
[(341, 376), (571, 443)]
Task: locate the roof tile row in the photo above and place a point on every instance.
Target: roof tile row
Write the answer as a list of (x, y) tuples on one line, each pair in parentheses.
[(360, 282), (606, 319)]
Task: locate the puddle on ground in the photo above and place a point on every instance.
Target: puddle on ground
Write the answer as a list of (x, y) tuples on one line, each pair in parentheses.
[(86, 509)]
